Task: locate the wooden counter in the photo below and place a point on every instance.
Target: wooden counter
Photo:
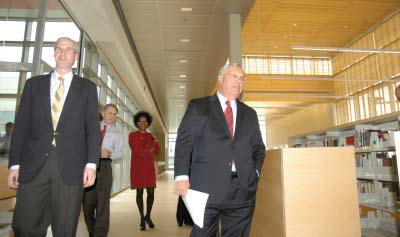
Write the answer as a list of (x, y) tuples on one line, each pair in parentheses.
[(307, 192), (5, 191)]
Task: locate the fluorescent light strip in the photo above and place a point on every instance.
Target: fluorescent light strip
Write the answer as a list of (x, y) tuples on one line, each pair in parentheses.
[(350, 50), (186, 9)]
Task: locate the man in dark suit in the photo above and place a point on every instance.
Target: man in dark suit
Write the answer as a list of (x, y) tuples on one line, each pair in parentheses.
[(223, 137), (54, 148)]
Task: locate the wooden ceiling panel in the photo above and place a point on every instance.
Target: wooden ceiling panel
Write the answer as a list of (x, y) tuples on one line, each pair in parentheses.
[(309, 22)]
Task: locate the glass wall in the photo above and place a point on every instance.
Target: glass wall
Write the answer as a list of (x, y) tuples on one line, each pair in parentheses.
[(28, 31), (374, 77), (287, 65)]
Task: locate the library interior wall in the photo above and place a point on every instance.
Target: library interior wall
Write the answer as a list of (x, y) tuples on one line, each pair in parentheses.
[(313, 118)]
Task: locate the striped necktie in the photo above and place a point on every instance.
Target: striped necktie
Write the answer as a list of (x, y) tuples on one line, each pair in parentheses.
[(58, 103)]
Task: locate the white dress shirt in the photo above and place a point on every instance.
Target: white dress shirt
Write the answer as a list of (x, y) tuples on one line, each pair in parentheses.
[(112, 141)]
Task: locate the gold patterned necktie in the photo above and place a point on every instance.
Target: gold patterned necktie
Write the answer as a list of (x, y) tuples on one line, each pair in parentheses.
[(58, 103)]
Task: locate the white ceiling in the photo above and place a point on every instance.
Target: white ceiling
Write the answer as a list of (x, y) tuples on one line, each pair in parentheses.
[(157, 28)]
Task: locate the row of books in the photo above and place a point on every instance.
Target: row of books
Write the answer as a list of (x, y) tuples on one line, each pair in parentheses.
[(380, 219), (376, 165), (382, 194), (368, 136)]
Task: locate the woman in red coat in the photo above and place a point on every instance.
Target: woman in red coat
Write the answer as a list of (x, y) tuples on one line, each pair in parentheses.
[(144, 146)]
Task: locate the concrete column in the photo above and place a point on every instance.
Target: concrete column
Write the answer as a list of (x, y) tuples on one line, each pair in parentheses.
[(235, 38), (41, 20)]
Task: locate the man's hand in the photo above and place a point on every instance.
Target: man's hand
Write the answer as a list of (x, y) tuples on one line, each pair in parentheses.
[(105, 153), (13, 179), (89, 176), (181, 187)]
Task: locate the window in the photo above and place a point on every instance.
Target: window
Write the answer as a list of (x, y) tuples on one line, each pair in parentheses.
[(9, 82), (12, 30), (10, 53)]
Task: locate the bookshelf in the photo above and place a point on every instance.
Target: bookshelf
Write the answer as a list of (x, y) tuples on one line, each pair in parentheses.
[(376, 147)]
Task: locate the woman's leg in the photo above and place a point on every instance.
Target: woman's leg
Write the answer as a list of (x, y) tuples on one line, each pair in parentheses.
[(139, 202), (150, 201)]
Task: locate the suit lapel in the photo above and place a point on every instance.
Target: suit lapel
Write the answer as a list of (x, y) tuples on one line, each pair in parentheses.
[(71, 99), (239, 117), (45, 97), (217, 110)]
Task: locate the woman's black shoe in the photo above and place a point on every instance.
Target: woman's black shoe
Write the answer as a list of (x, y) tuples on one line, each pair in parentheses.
[(149, 222), (142, 224)]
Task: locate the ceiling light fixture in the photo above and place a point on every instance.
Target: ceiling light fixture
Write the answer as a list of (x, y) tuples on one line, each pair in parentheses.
[(182, 87), (350, 50), (183, 61), (182, 76), (185, 40), (182, 95), (181, 105), (186, 9)]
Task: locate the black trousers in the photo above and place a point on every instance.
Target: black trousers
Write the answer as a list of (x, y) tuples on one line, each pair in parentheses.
[(96, 201), (182, 213), (47, 200), (234, 214)]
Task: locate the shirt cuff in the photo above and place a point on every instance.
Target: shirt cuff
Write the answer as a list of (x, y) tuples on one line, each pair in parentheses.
[(91, 165), (258, 173), (181, 178), (14, 167)]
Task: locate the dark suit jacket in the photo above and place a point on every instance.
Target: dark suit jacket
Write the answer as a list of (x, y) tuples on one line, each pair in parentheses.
[(203, 133), (77, 134)]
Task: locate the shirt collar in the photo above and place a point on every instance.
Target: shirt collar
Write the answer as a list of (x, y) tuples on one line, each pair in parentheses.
[(223, 100), (68, 76), (109, 126)]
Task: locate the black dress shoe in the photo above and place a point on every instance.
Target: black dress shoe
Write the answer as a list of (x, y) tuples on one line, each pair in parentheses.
[(149, 222), (142, 224), (180, 223), (189, 223)]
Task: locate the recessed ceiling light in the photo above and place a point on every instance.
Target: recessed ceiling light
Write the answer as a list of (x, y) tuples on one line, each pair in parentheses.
[(285, 36), (183, 61), (294, 24), (185, 40), (182, 95), (182, 87), (186, 9), (181, 105), (275, 46), (345, 26), (182, 76)]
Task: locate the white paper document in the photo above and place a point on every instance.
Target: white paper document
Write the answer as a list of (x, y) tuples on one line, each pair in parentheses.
[(195, 202)]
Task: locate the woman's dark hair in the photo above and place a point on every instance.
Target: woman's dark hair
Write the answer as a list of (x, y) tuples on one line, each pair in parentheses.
[(140, 114)]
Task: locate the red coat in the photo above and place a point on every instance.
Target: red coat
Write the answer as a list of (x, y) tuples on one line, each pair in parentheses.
[(143, 174)]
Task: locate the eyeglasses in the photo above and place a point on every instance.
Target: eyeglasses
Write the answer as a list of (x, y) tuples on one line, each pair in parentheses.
[(236, 76)]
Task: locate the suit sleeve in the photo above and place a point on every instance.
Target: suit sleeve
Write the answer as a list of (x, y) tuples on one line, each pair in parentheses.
[(257, 144), (22, 125), (185, 140), (92, 126)]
